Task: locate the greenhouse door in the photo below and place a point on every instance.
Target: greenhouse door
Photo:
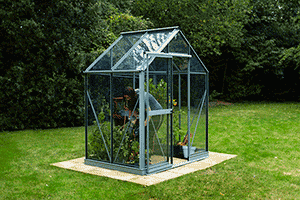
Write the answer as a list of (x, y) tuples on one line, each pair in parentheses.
[(159, 114)]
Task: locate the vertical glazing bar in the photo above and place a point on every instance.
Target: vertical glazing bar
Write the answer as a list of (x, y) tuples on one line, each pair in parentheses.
[(111, 58), (179, 100), (111, 109), (142, 120), (86, 114), (169, 134), (207, 104), (171, 104), (168, 116), (189, 107), (134, 80), (148, 117), (111, 120)]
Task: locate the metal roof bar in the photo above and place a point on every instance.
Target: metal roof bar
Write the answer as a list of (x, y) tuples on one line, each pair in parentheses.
[(157, 72), (161, 55), (149, 30), (180, 55), (111, 71), (201, 73), (168, 55)]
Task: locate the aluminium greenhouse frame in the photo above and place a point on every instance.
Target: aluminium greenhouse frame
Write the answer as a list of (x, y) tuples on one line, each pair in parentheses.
[(133, 57)]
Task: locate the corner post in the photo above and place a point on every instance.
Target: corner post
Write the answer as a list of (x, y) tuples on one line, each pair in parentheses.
[(189, 105), (111, 120), (179, 101), (142, 120), (86, 114), (207, 104), (148, 117), (170, 106)]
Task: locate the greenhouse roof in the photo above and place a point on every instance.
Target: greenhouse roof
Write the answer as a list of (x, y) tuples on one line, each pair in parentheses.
[(134, 51)]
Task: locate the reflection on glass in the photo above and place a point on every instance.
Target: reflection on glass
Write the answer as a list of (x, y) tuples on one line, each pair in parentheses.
[(151, 43)]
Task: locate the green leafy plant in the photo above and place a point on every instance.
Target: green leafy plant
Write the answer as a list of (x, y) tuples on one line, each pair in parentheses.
[(127, 153), (177, 130), (214, 95), (100, 142), (125, 139), (158, 91), (45, 47)]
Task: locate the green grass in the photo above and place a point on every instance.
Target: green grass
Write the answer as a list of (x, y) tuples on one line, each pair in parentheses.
[(265, 137)]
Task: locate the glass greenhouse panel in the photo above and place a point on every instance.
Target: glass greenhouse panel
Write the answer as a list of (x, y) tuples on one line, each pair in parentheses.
[(99, 118), (180, 64), (179, 103), (196, 65), (133, 61), (198, 116), (159, 126), (104, 63), (158, 66), (120, 49), (147, 43), (133, 38), (179, 112), (154, 41), (178, 45), (126, 123), (159, 129)]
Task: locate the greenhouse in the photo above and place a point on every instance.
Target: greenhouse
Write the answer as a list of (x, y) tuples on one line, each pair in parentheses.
[(146, 104)]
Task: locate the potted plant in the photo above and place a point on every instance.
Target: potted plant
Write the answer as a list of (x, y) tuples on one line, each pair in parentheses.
[(180, 147), (177, 132)]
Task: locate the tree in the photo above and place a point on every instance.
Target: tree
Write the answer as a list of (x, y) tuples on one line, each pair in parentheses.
[(209, 25), (215, 28), (241, 42), (44, 49), (270, 31), (290, 58), (293, 51)]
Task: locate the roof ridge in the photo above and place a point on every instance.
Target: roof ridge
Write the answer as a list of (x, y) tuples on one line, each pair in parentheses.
[(150, 30)]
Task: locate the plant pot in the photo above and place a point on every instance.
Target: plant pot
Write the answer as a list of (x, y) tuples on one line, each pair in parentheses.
[(178, 152), (182, 151), (185, 151)]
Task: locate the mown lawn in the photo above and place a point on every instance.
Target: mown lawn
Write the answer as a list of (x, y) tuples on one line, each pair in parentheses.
[(265, 136)]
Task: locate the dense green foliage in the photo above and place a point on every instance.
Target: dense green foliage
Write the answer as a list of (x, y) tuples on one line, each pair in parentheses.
[(209, 25), (271, 30), (44, 49), (241, 43), (42, 54), (251, 49)]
